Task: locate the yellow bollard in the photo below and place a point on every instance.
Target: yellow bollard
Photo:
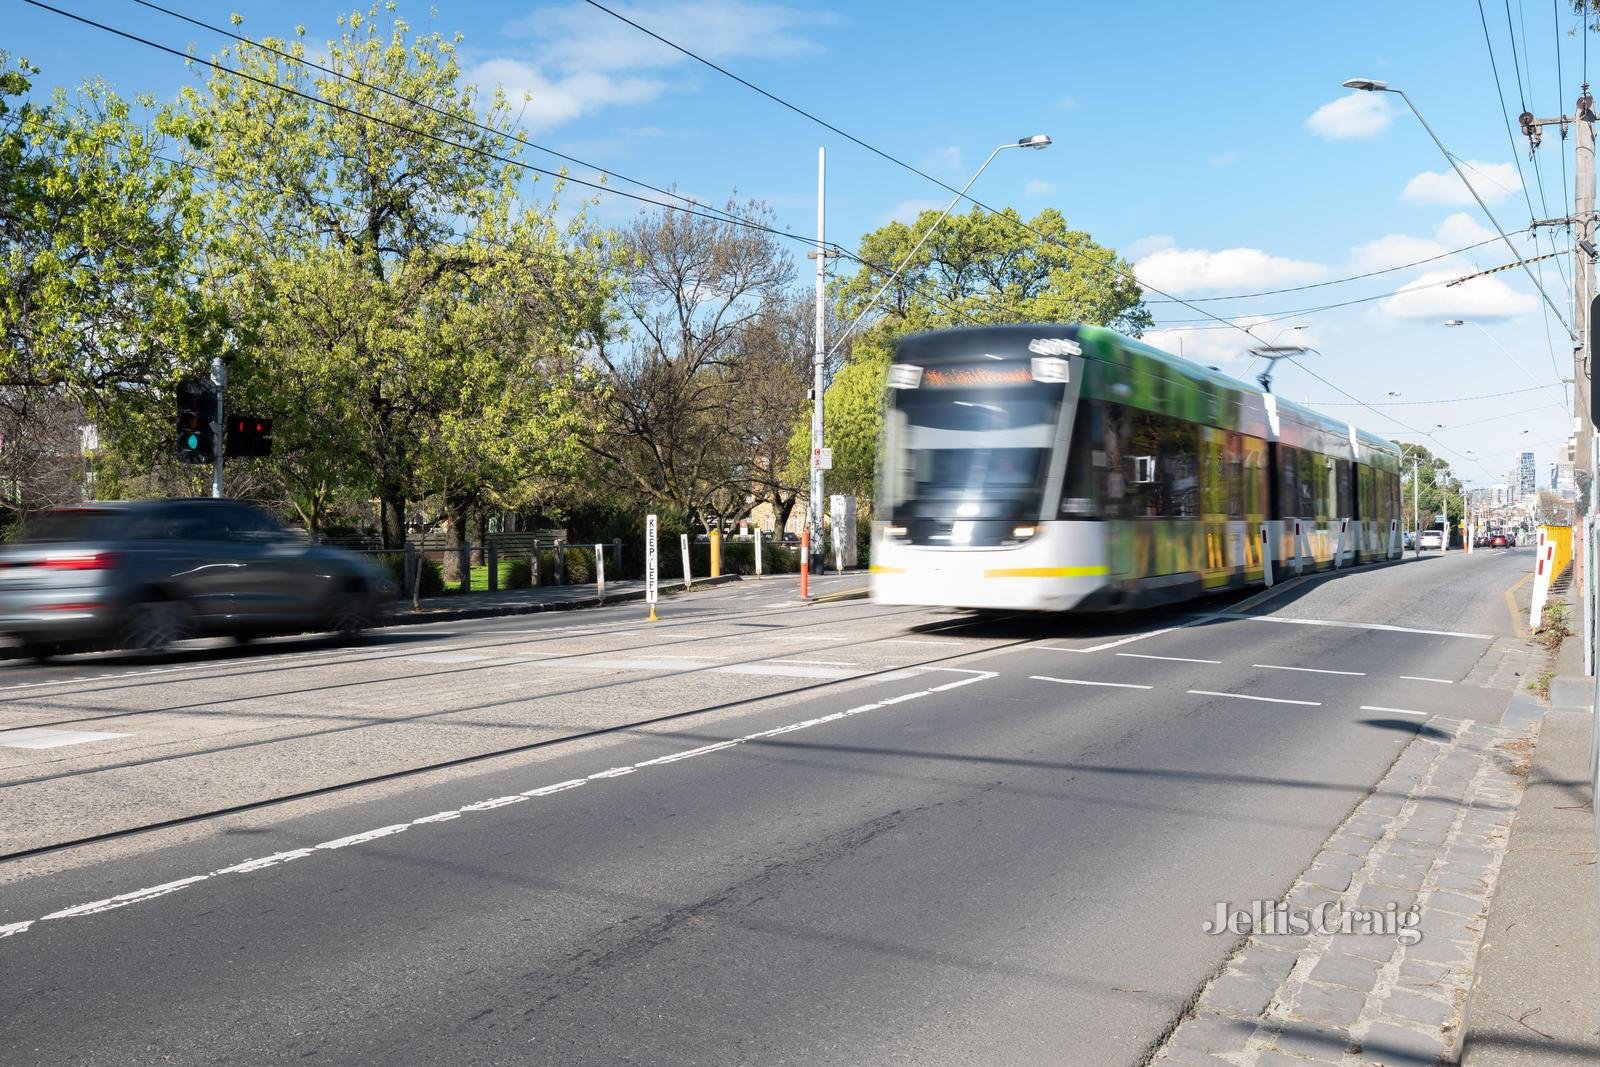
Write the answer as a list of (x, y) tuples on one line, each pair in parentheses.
[(716, 553)]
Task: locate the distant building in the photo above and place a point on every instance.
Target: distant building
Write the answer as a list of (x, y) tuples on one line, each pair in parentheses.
[(1527, 475)]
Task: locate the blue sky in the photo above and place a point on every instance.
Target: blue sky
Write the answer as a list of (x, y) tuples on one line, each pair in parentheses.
[(1212, 144)]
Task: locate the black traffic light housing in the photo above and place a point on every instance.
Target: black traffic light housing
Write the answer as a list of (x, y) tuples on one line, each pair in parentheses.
[(197, 407), (246, 436)]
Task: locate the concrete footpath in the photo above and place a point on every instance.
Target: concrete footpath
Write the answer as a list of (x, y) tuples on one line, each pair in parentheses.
[(1481, 838), (1536, 990)]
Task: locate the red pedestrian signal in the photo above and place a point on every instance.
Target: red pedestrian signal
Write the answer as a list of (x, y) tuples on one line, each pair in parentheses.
[(248, 436)]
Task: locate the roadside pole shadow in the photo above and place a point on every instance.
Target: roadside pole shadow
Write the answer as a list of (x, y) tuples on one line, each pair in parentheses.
[(1421, 729)]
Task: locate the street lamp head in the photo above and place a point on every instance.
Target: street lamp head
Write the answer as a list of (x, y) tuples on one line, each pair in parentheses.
[(1368, 85), (1455, 322), (1038, 140)]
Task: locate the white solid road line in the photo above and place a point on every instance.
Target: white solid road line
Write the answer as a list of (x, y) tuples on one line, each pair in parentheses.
[(1418, 678), (1346, 625), (1170, 659), (1308, 670), (1395, 711), (1084, 681), (1247, 696), (139, 896)]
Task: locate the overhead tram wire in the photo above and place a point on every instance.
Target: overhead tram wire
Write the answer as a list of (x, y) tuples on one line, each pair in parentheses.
[(698, 212), (1013, 221), (1426, 403), (1111, 266), (1330, 281)]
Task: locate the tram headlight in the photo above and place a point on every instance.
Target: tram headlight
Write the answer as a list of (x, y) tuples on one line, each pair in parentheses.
[(894, 531), (1022, 533)]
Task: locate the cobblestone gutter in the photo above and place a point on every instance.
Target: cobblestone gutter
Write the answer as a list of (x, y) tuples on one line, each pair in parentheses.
[(1432, 835)]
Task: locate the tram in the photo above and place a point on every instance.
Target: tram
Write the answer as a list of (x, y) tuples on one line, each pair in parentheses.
[(1071, 468)]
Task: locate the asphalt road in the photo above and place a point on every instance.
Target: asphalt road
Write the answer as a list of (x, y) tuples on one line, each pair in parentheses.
[(757, 832)]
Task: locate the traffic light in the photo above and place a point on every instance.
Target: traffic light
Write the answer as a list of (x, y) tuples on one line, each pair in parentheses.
[(247, 436), (197, 406)]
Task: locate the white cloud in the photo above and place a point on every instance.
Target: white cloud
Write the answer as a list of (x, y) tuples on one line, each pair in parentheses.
[(947, 159), (1484, 297), (1392, 250), (1038, 188), (1184, 270), (540, 103), (1461, 229), (1144, 246), (573, 63), (907, 210), (1351, 117), (1216, 344), (1067, 103), (1493, 181), (1224, 159)]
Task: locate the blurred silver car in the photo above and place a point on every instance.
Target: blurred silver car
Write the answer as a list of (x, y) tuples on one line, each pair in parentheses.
[(141, 575)]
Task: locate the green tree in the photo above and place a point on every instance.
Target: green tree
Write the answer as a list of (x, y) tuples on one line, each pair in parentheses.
[(402, 306), (100, 237), (1434, 481), (977, 267)]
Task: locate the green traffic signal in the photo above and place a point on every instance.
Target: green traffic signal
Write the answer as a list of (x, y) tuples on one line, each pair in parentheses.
[(193, 441)]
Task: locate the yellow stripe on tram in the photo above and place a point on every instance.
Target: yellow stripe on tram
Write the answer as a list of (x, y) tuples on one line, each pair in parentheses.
[(1048, 572), (876, 569)]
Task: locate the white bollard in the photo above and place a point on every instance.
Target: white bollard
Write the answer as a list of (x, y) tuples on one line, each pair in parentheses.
[(1299, 549), (1541, 582), (1266, 556), (688, 579), (600, 572), (1394, 538), (1338, 546), (758, 551)]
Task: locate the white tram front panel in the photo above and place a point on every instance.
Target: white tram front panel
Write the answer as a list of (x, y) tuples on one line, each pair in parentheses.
[(1054, 569)]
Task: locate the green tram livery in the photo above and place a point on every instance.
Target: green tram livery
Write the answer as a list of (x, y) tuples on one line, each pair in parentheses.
[(1061, 467)]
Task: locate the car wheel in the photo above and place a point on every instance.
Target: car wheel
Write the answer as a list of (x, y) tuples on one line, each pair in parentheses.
[(152, 628), (38, 651), (348, 614)]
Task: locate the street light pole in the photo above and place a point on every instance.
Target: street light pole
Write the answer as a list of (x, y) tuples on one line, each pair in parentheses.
[(821, 356), (1038, 140), (1372, 85)]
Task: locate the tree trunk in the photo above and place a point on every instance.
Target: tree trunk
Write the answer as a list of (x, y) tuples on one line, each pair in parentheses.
[(392, 517), (782, 508), (457, 533)]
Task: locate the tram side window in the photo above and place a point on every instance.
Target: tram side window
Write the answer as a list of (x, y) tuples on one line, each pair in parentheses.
[(1234, 470), (1152, 465), (1344, 499), (1084, 465)]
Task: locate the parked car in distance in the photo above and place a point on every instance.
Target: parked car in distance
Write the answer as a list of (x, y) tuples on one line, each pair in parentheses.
[(1499, 541), (1410, 538), (1430, 539), (141, 575)]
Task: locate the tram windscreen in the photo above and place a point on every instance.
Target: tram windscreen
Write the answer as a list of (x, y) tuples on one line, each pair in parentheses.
[(970, 453)]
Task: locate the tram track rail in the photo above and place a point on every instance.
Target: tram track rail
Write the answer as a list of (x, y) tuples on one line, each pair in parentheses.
[(473, 759)]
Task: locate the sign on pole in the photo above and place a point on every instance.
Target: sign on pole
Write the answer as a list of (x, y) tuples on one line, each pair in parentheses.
[(822, 459), (650, 564)]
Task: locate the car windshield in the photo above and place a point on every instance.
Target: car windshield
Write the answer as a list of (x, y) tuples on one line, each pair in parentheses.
[(76, 524)]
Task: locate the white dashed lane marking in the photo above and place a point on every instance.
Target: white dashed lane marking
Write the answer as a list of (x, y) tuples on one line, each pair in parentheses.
[(1395, 711), (1169, 659), (1435, 681), (1084, 681), (1308, 670), (252, 866), (1247, 696)]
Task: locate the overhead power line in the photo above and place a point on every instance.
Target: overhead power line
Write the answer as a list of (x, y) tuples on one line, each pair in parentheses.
[(1332, 281), (697, 210), (1015, 222)]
